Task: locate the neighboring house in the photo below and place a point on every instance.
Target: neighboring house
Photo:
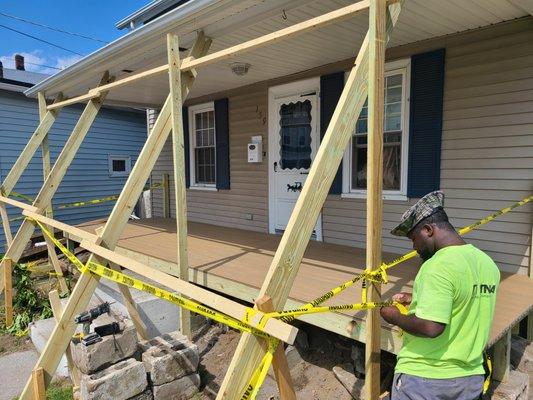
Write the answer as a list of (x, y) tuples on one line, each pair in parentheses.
[(459, 114), (102, 164)]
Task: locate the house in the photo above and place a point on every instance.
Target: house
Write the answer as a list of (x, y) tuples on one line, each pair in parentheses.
[(457, 117), (105, 158)]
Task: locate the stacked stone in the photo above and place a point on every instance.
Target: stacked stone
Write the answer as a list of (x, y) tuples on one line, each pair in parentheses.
[(122, 368), (109, 369), (171, 361)]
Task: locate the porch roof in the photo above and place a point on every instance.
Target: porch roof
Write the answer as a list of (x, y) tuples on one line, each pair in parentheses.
[(230, 22), (235, 262)]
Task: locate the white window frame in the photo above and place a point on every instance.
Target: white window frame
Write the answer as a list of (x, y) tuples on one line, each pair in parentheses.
[(193, 110), (116, 174), (391, 68)]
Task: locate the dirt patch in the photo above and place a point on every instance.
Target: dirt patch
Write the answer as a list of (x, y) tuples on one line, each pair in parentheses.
[(311, 369), (12, 344)]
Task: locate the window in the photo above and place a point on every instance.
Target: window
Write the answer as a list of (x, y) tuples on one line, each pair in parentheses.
[(395, 140), (202, 145), (119, 165)]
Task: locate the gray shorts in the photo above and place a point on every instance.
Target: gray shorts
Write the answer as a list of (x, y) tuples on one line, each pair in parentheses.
[(409, 387)]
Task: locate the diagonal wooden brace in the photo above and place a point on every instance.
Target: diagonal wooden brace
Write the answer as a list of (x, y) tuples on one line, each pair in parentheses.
[(56, 175), (118, 219), (284, 266)]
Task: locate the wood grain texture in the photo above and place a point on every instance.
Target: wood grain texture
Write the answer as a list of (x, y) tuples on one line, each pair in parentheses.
[(8, 291), (374, 202), (287, 260)]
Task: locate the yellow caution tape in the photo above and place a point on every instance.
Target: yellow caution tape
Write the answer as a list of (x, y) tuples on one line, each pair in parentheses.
[(81, 203), (124, 279), (259, 375), (380, 274)]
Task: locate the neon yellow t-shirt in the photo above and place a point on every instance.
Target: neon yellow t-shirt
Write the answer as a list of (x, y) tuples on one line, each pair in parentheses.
[(457, 287)]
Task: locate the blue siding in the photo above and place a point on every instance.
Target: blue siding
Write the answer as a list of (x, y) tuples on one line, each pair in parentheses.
[(114, 132)]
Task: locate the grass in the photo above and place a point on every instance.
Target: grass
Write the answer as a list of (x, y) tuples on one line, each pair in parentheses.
[(59, 391)]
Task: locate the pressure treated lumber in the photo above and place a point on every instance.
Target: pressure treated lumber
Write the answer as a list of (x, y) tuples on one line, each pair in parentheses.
[(57, 173), (80, 233), (8, 291), (5, 224), (57, 310), (279, 361), (39, 389), (286, 262), (178, 158), (283, 34), (166, 196), (274, 327), (16, 203), (87, 283), (94, 93), (374, 185)]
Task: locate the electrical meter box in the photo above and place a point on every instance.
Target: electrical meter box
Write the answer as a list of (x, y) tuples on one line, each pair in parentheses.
[(255, 152)]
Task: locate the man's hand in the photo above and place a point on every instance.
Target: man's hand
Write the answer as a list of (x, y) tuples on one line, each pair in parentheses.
[(403, 298), (411, 323)]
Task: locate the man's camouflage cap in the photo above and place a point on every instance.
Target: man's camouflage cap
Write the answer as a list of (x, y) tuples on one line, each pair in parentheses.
[(425, 207)]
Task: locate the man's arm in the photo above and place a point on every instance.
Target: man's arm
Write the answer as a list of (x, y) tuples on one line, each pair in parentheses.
[(411, 323)]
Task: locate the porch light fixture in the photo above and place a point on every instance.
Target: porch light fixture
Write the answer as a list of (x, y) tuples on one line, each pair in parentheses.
[(239, 68)]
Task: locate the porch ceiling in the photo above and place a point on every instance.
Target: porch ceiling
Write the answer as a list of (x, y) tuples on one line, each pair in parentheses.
[(229, 22)]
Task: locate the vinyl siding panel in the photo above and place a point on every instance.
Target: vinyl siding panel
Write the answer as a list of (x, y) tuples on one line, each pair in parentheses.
[(248, 197), (487, 150), (114, 132), (486, 155)]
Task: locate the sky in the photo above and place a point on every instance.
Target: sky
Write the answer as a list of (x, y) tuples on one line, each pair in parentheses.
[(96, 19)]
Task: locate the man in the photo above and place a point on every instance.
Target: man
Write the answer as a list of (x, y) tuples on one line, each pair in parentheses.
[(450, 310)]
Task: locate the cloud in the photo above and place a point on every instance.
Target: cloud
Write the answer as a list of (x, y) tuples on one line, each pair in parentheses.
[(35, 61)]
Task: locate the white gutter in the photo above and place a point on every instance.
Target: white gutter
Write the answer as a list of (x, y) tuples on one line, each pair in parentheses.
[(156, 27), (145, 12)]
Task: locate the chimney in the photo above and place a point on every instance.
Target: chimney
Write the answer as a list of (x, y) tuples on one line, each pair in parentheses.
[(1, 70), (19, 62)]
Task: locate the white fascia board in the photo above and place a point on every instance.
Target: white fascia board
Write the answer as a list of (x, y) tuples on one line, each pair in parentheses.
[(145, 12), (189, 10)]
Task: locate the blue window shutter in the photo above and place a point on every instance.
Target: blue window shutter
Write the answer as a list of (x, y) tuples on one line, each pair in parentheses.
[(425, 122), (330, 91), (222, 143), (186, 146)]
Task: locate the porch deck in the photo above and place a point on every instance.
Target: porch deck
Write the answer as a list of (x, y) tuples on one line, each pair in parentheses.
[(235, 262)]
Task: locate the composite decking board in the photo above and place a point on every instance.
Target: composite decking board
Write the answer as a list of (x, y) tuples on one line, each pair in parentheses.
[(244, 257)]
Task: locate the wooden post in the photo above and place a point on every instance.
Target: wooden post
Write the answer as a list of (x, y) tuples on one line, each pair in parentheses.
[(86, 285), (8, 288), (166, 196), (286, 261), (502, 358), (57, 309), (279, 362), (178, 155), (39, 387), (529, 333), (374, 185), (5, 224)]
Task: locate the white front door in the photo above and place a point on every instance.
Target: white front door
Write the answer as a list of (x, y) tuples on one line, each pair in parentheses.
[(294, 140)]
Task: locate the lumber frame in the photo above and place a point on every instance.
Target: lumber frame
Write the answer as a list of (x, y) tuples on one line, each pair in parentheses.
[(45, 149), (288, 257), (57, 310), (8, 294), (178, 158), (279, 361), (374, 200), (529, 332), (57, 173), (86, 285)]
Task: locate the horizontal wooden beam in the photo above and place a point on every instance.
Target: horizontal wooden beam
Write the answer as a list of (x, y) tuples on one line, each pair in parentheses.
[(18, 204), (274, 327), (80, 234), (96, 92), (283, 34)]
